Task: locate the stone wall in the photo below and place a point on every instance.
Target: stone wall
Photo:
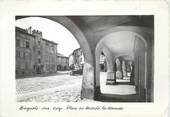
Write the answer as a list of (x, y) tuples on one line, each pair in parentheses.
[(34, 55), (24, 59)]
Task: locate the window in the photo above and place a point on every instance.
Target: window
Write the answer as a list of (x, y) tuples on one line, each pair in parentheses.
[(39, 43), (16, 71), (34, 67), (39, 60), (18, 66), (21, 54), (53, 50), (22, 43), (27, 44), (46, 43), (18, 43), (18, 54), (39, 52), (24, 55), (22, 66)]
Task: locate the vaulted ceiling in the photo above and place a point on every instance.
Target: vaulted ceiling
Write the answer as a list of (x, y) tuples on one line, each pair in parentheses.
[(99, 21), (121, 44), (105, 22)]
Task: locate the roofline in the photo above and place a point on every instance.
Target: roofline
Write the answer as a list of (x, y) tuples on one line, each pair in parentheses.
[(23, 30), (74, 51), (49, 41)]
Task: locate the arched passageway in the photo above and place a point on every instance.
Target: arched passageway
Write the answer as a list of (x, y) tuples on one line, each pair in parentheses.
[(88, 70), (128, 50), (103, 34)]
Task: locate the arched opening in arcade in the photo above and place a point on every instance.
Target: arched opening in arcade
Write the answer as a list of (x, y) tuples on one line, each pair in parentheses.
[(128, 73), (44, 58)]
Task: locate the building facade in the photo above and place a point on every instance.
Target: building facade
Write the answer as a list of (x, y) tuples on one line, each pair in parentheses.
[(62, 62), (76, 59), (34, 54)]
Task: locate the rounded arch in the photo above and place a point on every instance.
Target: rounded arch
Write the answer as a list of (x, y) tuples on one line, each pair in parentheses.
[(122, 56), (100, 47), (137, 36), (87, 90), (116, 30), (143, 34), (73, 28)]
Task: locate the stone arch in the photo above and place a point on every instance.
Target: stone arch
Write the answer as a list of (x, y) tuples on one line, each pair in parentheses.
[(144, 34), (118, 72), (100, 46), (88, 69), (73, 28)]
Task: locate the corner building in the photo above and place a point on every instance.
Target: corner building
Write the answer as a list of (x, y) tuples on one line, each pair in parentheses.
[(62, 62), (34, 54)]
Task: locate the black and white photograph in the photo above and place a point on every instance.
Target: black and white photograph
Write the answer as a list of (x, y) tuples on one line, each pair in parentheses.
[(84, 58), (93, 58)]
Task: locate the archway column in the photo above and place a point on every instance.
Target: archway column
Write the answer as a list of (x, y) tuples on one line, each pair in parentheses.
[(111, 73), (132, 81), (118, 66), (87, 90), (124, 68)]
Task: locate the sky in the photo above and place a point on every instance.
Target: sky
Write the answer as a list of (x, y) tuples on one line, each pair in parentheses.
[(52, 31)]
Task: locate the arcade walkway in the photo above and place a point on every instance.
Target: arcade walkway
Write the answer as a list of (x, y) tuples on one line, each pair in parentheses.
[(122, 88), (128, 38), (121, 92)]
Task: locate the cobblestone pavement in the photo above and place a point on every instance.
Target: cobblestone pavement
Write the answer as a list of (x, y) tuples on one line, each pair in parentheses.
[(59, 88), (62, 88)]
